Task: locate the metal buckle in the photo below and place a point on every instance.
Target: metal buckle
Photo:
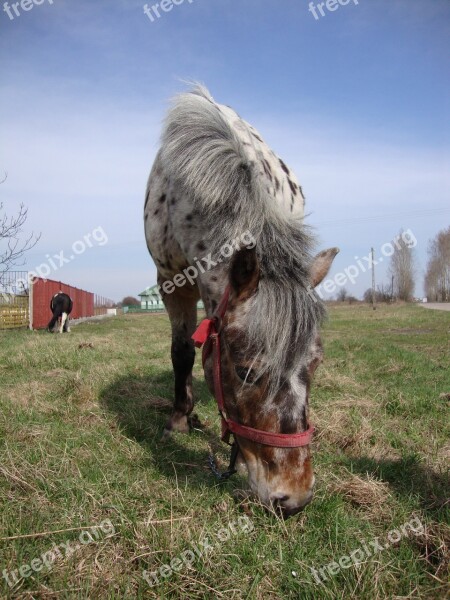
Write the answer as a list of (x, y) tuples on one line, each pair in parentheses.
[(231, 467)]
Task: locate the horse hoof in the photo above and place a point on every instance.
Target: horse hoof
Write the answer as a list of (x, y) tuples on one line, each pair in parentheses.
[(177, 423), (166, 435), (194, 422)]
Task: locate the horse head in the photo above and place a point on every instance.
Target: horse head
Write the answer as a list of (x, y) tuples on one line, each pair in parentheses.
[(266, 379)]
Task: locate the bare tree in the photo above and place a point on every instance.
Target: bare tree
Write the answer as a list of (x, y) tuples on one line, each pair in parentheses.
[(437, 276), (341, 295), (130, 301), (367, 296), (402, 268), (382, 294), (13, 243)]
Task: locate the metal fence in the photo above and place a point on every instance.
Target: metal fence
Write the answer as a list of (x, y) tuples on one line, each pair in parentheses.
[(136, 308), (102, 304), (14, 300)]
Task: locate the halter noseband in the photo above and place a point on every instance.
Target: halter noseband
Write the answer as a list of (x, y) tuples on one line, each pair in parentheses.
[(208, 336)]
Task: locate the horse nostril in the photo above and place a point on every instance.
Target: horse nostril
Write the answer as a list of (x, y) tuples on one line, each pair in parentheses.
[(283, 499), (278, 502), (278, 499)]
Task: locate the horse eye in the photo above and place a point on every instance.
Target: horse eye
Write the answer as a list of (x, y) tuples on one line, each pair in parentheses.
[(246, 375)]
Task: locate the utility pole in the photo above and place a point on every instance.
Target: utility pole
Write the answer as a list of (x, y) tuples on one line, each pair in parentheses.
[(373, 280)]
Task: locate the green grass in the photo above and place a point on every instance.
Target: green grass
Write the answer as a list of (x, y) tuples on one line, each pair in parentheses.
[(81, 418)]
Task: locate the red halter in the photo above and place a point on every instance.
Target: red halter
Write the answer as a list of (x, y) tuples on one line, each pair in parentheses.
[(209, 331)]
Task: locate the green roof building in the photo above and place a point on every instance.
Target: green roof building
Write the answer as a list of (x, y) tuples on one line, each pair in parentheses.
[(151, 299)]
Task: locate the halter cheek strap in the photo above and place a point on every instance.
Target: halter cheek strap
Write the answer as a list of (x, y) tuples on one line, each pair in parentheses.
[(208, 336)]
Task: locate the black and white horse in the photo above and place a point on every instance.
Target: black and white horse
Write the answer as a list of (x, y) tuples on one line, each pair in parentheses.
[(61, 306)]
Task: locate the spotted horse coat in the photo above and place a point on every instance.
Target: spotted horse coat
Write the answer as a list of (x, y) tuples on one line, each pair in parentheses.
[(177, 236), (222, 210)]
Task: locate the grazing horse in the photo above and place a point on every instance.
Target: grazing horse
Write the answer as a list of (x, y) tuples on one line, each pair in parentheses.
[(61, 306), (223, 222)]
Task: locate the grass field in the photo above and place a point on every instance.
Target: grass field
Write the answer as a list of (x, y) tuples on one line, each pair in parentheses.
[(82, 468)]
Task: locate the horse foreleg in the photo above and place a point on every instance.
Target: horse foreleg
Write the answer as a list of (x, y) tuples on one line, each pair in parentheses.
[(182, 309), (183, 355)]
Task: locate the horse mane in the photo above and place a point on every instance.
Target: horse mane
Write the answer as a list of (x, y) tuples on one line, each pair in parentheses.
[(203, 152)]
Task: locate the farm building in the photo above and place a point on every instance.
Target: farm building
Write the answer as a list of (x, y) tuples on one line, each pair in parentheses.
[(151, 299)]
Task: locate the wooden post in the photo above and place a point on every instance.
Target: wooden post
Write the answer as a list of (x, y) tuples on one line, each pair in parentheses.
[(30, 302)]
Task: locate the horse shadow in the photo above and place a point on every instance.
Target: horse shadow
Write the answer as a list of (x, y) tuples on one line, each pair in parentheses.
[(142, 405), (409, 478)]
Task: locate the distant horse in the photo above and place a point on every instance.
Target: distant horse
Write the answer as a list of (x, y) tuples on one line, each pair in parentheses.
[(61, 306), (223, 221)]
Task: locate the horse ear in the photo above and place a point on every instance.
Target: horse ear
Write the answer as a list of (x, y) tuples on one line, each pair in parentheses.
[(244, 273), (321, 265)]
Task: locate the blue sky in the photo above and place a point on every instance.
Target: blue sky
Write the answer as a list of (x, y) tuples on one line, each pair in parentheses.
[(356, 102)]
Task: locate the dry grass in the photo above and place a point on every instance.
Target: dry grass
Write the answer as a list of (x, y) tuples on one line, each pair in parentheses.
[(372, 496), (434, 547), (33, 393), (81, 418), (350, 423)]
